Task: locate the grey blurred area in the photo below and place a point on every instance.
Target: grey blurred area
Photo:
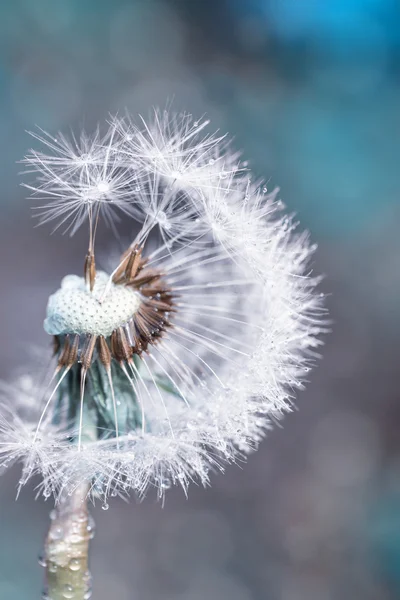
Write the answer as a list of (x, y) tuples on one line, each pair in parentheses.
[(310, 90)]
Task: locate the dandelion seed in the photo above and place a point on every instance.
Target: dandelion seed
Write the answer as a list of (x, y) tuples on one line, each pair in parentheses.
[(178, 150), (80, 179)]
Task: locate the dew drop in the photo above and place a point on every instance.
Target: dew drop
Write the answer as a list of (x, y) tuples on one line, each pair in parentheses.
[(82, 517), (75, 538), (52, 567), (68, 591), (91, 527), (42, 560), (57, 533), (105, 506), (74, 564)]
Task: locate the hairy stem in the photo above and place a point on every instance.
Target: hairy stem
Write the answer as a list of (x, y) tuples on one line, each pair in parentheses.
[(67, 549)]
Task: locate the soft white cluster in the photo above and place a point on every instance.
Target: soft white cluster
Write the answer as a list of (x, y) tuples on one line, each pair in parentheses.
[(72, 309), (246, 323)]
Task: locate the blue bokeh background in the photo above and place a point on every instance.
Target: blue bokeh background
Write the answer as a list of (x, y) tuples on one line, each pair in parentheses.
[(310, 89)]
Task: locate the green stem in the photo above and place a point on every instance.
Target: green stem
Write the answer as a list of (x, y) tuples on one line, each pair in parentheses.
[(67, 549), (67, 542)]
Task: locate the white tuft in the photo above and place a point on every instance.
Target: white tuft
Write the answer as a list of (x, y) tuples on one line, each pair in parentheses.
[(246, 329), (80, 179)]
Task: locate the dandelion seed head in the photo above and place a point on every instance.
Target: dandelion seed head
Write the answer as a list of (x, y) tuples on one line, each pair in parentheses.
[(181, 359)]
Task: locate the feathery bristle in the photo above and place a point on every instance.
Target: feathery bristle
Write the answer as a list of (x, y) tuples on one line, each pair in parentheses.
[(181, 358)]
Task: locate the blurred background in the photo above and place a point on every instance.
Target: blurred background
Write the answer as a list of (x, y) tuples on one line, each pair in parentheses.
[(311, 91)]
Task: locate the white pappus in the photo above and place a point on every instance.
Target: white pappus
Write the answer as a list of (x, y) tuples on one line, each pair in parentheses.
[(180, 359)]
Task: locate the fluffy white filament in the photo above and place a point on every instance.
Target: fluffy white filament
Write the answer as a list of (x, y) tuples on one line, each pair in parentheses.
[(248, 318)]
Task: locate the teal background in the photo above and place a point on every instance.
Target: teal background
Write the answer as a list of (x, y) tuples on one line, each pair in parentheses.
[(310, 90)]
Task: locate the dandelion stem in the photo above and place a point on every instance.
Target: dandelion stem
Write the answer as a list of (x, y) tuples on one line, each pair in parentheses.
[(67, 548), (67, 541)]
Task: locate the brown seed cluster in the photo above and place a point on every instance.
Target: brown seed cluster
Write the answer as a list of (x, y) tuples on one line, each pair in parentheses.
[(145, 327)]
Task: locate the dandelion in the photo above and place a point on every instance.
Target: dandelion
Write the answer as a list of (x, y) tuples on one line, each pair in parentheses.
[(177, 361)]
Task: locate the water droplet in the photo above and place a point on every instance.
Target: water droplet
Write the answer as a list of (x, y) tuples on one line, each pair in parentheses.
[(52, 567), (105, 506), (56, 533), (68, 591), (82, 517), (42, 560), (74, 564), (75, 538), (162, 220)]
